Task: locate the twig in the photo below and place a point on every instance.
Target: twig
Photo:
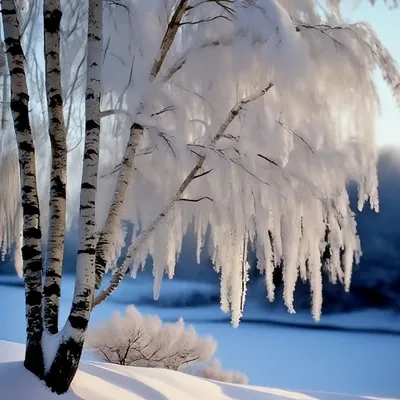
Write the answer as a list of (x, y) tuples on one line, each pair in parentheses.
[(196, 200)]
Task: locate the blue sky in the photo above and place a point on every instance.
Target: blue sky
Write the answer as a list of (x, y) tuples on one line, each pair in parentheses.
[(387, 25)]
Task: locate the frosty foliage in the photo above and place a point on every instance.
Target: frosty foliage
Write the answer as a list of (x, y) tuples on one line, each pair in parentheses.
[(276, 180), (143, 340), (213, 370)]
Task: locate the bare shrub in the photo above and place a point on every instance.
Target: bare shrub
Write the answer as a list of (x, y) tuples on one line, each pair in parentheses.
[(143, 340), (213, 370)]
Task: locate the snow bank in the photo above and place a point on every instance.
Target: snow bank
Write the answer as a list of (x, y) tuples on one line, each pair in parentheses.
[(103, 381)]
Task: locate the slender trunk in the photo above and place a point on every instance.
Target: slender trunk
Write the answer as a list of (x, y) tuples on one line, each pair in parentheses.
[(169, 37), (103, 253), (58, 139), (31, 249), (143, 237), (104, 245), (5, 104), (65, 364)]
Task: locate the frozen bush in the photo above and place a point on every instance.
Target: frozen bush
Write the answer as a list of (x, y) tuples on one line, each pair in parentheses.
[(143, 340), (213, 370)]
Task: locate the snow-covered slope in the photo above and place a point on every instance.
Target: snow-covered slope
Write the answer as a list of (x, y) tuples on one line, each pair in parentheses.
[(103, 381)]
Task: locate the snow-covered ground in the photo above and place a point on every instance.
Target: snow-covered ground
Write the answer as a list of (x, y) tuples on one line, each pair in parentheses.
[(287, 357), (104, 381)]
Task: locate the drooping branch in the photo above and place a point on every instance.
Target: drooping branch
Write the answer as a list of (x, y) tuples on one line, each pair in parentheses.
[(31, 249), (58, 140), (144, 236)]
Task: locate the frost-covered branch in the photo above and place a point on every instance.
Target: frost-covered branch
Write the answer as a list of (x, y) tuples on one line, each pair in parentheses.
[(105, 246), (169, 37), (366, 36), (144, 235)]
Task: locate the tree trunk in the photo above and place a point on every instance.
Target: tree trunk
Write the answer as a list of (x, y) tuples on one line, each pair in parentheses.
[(103, 253), (31, 249), (63, 369), (104, 246), (58, 139), (66, 361)]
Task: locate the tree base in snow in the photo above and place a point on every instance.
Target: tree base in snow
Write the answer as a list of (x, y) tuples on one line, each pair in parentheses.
[(64, 366), (34, 359)]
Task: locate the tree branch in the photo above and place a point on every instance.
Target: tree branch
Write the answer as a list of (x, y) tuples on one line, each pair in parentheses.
[(143, 237), (103, 254), (196, 200), (103, 259), (169, 37)]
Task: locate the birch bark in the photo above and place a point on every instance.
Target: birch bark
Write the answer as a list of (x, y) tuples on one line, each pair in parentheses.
[(65, 364), (31, 249), (58, 139)]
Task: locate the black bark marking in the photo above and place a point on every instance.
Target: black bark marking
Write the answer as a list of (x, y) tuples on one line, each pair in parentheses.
[(53, 289), (30, 209), (56, 101), (33, 233), (53, 274), (64, 366), (58, 187), (91, 124), (137, 126), (8, 12), (86, 185), (51, 318), (33, 297), (52, 20), (34, 361), (79, 323), (90, 251)]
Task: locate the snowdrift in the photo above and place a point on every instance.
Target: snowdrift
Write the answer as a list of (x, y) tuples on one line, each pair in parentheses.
[(103, 381)]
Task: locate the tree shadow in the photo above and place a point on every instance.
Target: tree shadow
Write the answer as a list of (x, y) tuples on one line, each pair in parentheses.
[(241, 392), (128, 383), (13, 373)]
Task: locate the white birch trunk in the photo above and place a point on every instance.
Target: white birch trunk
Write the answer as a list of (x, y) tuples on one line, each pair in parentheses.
[(169, 37), (31, 249), (58, 139), (143, 237), (65, 364), (104, 245), (103, 248)]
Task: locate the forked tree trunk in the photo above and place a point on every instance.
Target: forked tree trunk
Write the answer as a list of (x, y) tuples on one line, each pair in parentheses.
[(65, 364), (31, 249)]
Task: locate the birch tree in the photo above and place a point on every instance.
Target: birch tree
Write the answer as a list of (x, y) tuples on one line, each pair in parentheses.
[(242, 120)]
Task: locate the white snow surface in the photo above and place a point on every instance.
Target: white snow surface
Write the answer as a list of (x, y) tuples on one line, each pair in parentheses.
[(104, 381), (291, 358)]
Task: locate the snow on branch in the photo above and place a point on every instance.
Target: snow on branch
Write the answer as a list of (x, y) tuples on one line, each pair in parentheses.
[(144, 236)]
